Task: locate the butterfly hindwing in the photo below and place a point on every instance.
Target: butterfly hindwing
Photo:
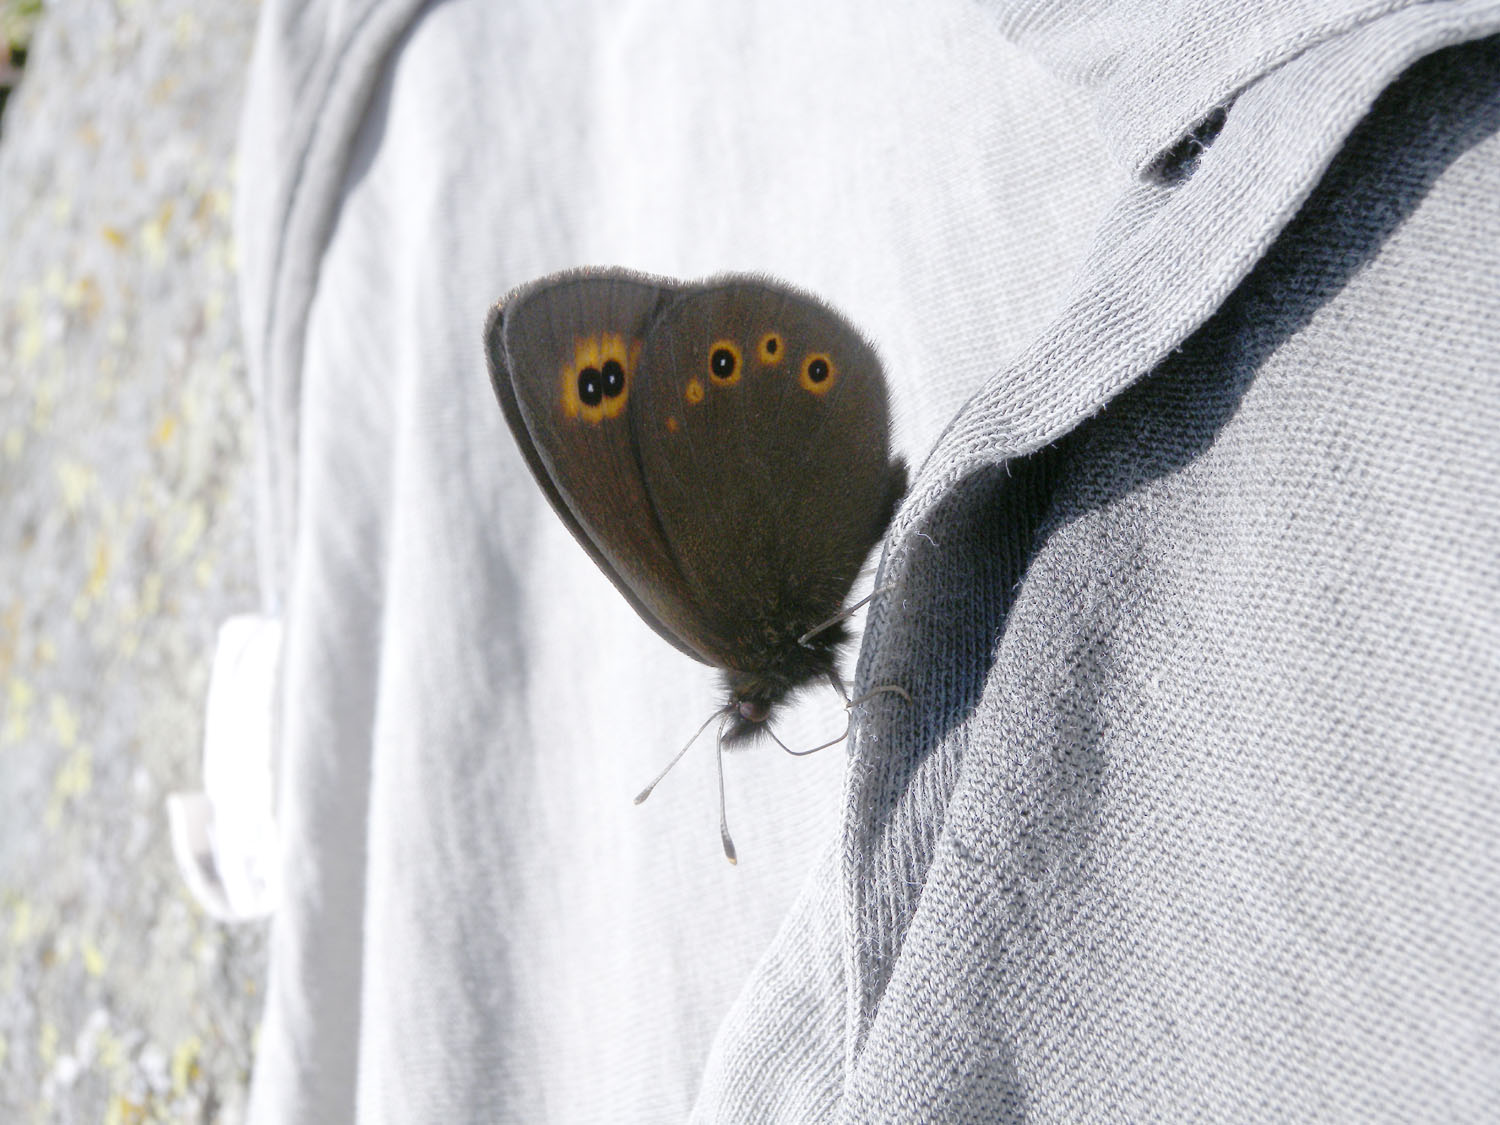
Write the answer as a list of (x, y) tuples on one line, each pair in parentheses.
[(762, 427)]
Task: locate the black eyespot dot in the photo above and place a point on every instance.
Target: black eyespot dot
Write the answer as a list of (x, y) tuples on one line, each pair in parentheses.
[(817, 370), (722, 363), (772, 345), (614, 377), (590, 387)]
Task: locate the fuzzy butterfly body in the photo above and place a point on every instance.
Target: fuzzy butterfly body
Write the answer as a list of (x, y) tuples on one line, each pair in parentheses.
[(722, 451)]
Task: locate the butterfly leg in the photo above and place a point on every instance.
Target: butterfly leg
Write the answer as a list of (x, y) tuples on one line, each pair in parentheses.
[(894, 689), (850, 704), (838, 685), (841, 615), (815, 749)]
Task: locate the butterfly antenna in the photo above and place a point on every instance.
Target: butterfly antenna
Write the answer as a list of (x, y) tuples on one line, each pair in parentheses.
[(723, 817), (646, 792), (842, 615)]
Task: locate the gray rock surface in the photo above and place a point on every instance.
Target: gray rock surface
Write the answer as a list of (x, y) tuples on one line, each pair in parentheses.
[(126, 538)]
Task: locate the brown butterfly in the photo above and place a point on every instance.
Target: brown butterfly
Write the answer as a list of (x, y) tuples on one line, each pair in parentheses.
[(722, 451)]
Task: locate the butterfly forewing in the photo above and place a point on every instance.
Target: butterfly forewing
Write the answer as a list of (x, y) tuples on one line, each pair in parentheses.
[(564, 358)]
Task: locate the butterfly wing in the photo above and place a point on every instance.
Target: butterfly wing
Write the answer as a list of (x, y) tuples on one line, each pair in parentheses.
[(763, 430), (564, 356)]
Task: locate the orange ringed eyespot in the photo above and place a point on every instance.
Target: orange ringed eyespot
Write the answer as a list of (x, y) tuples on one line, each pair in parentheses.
[(724, 362), (818, 373), (597, 383), (770, 349)]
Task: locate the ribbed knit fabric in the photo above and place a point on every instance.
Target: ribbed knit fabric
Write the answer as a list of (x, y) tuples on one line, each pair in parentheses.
[(1209, 830)]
